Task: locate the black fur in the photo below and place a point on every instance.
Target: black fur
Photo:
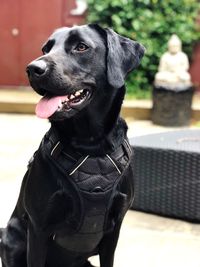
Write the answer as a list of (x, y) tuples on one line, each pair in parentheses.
[(46, 205)]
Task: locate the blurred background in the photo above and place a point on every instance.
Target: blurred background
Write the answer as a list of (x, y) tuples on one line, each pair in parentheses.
[(25, 25), (146, 239)]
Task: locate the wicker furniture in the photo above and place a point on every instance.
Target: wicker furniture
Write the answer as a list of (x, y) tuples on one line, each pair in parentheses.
[(167, 174)]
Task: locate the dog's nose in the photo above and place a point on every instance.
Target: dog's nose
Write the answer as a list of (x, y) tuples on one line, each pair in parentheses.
[(36, 68)]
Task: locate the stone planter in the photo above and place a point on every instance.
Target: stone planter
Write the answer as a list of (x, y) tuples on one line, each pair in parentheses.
[(172, 107)]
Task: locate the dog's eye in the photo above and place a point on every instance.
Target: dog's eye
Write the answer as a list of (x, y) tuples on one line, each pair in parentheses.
[(81, 47)]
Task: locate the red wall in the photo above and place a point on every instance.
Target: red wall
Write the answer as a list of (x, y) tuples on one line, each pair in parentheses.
[(25, 25), (195, 67)]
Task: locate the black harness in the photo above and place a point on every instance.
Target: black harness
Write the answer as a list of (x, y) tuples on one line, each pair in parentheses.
[(93, 182)]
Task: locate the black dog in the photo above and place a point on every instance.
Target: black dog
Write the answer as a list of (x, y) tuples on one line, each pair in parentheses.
[(79, 183)]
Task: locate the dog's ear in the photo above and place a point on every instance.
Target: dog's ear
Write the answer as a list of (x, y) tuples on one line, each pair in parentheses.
[(123, 56)]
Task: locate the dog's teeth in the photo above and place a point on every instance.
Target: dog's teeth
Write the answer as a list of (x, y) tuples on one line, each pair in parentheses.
[(80, 91), (64, 101), (72, 97), (77, 93)]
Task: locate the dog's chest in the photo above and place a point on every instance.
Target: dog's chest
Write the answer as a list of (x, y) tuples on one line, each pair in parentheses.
[(86, 185), (92, 174), (95, 180)]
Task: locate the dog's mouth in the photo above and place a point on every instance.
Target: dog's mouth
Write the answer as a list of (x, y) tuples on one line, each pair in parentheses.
[(50, 105)]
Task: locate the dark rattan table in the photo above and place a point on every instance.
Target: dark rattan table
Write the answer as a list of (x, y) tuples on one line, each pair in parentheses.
[(167, 174)]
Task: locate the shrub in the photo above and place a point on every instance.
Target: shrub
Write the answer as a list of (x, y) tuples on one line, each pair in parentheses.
[(150, 22)]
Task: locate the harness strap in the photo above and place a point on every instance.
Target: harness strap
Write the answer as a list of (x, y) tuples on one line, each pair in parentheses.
[(80, 159), (79, 165), (128, 148), (112, 161), (54, 148)]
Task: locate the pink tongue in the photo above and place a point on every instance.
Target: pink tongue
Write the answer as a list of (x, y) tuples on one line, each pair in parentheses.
[(47, 106)]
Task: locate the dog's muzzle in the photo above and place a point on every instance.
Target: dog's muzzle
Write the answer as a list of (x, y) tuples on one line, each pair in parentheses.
[(36, 69)]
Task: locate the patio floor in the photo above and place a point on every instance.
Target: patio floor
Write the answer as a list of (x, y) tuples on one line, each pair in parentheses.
[(145, 240)]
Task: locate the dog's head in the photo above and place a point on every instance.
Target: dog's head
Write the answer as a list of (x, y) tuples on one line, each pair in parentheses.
[(78, 63)]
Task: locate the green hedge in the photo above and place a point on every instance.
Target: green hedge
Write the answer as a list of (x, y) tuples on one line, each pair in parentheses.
[(150, 22)]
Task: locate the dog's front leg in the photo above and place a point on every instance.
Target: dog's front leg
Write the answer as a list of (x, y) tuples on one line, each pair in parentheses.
[(36, 247), (107, 247)]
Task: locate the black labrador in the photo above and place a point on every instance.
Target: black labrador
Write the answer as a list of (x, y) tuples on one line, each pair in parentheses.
[(79, 183)]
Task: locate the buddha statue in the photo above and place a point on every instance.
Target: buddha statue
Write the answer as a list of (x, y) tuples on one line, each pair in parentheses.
[(173, 68)]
